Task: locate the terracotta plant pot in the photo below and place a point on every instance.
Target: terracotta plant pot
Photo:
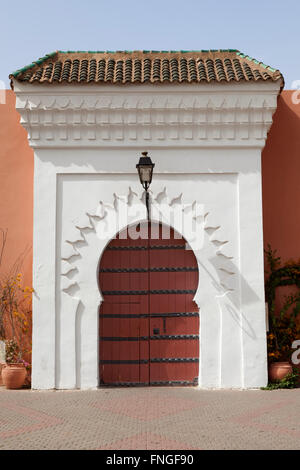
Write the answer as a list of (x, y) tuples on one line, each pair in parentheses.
[(2, 364), (13, 375), (279, 370)]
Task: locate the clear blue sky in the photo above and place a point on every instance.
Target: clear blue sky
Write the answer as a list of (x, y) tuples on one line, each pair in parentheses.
[(268, 30)]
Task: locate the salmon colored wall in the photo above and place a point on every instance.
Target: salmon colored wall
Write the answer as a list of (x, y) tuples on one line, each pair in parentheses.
[(16, 189), (281, 180), (280, 174)]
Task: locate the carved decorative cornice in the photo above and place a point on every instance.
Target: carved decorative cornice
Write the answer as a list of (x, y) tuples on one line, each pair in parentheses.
[(127, 117)]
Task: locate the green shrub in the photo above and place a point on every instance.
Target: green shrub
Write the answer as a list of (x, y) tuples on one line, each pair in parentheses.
[(289, 381)]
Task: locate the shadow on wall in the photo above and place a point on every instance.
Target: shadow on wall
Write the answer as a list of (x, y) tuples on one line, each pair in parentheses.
[(232, 301)]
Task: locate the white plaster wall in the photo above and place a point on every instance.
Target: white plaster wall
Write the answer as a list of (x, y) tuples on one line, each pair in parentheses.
[(206, 143), (225, 182)]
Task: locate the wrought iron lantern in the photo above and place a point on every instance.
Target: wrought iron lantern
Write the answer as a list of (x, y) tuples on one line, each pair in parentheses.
[(145, 171)]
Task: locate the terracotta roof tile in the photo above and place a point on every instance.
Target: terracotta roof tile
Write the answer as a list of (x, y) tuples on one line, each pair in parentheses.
[(146, 67)]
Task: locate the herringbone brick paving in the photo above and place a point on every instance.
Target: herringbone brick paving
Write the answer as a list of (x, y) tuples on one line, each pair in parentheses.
[(150, 418)]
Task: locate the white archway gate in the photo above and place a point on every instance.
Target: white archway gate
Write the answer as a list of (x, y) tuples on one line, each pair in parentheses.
[(206, 142), (80, 295)]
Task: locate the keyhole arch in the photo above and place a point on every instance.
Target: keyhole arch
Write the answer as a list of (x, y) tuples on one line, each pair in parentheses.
[(149, 323)]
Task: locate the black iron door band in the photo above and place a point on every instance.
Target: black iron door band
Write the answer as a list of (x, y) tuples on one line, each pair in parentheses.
[(174, 337), (174, 359), (173, 269), (181, 314), (147, 315), (176, 382), (145, 384), (146, 247), (153, 360), (145, 292), (144, 270), (145, 338)]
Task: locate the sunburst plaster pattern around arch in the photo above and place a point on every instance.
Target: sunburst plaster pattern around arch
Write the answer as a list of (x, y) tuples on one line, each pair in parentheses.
[(85, 243)]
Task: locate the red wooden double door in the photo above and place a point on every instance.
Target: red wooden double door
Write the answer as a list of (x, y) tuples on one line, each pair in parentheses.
[(149, 324)]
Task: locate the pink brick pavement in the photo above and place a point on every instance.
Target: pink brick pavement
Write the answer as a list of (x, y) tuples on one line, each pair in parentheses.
[(150, 418)]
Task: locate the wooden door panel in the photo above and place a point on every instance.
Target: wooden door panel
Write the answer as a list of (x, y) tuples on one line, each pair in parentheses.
[(181, 348), (175, 325), (118, 350), (110, 282), (173, 281), (172, 303), (119, 327), (174, 341), (122, 374), (174, 372), (149, 323), (123, 279)]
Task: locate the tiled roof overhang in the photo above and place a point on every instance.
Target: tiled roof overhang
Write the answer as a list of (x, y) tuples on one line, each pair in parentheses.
[(124, 67)]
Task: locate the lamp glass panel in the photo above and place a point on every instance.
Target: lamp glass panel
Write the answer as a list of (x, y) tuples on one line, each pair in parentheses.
[(145, 174)]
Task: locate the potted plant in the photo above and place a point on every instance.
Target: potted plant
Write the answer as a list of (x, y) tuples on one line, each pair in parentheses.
[(2, 358), (15, 314), (2, 342), (14, 371), (279, 348), (15, 308), (284, 322), (289, 381)]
